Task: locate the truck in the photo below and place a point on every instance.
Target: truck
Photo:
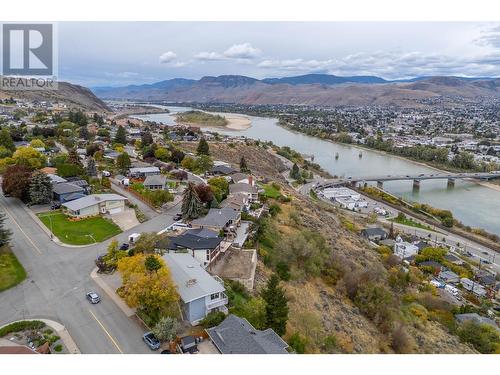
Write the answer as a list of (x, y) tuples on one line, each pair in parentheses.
[(452, 290), (133, 237)]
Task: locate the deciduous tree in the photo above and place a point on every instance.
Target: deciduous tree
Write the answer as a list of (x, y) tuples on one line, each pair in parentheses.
[(166, 329), (16, 181), (4, 233), (91, 168), (29, 157), (123, 162)]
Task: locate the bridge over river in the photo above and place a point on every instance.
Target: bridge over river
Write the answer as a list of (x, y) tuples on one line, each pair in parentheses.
[(416, 178)]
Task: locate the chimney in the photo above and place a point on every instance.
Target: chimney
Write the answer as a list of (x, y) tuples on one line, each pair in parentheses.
[(250, 180)]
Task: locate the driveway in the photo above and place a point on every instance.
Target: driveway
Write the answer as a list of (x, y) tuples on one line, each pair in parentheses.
[(59, 277), (125, 219), (146, 210)]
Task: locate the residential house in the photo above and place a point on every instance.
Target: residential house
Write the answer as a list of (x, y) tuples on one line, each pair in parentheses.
[(244, 178), (449, 277), (485, 278), (438, 267), (66, 191), (453, 259), (244, 188), (155, 182), (203, 244), (238, 201), (221, 170), (55, 179), (95, 204), (200, 293), (143, 172), (219, 219), (405, 249), (476, 318), (237, 336), (374, 234)]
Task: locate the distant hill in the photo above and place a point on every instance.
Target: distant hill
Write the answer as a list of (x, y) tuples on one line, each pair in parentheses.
[(324, 79), (74, 96), (310, 89)]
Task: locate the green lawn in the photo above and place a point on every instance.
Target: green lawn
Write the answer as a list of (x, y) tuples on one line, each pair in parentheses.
[(83, 232), (11, 271), (271, 192)]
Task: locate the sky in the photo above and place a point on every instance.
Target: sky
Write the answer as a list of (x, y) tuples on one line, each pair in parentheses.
[(122, 53)]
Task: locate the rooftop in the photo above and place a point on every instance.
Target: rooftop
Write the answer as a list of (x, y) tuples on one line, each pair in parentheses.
[(217, 217), (91, 200), (192, 281), (156, 179), (237, 336)]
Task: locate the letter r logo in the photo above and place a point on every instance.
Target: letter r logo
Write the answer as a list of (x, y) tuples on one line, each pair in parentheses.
[(27, 49)]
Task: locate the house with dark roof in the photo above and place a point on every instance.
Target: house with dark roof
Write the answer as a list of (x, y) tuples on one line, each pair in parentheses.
[(218, 219), (155, 182), (374, 234), (63, 192), (237, 336), (221, 170), (203, 244)]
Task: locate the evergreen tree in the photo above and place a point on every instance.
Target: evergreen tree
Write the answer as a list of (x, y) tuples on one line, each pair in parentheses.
[(121, 136), (243, 165), (146, 138), (6, 140), (123, 162), (4, 233), (91, 168), (276, 305), (191, 203), (40, 189), (203, 148), (84, 133), (152, 263), (295, 172)]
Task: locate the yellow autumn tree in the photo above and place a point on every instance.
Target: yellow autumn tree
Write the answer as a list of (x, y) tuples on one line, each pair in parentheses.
[(150, 289)]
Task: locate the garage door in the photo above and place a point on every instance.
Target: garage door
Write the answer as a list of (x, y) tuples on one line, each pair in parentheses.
[(115, 210)]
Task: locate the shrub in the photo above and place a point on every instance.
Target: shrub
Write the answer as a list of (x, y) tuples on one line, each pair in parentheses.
[(58, 348), (298, 343), (21, 326), (330, 343), (401, 342), (213, 319), (283, 271), (483, 337)]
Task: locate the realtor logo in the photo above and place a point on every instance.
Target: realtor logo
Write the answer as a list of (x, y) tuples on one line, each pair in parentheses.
[(28, 56)]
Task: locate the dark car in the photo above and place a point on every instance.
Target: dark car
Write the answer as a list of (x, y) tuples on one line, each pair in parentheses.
[(151, 341), (124, 246), (55, 205), (177, 217), (93, 297)]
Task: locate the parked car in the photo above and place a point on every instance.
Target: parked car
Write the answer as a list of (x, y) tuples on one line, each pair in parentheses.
[(93, 297), (437, 283), (55, 205), (189, 344), (151, 341), (177, 217), (106, 173), (124, 246)]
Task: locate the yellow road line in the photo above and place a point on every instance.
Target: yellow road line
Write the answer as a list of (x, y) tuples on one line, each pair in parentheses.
[(21, 229), (106, 331)]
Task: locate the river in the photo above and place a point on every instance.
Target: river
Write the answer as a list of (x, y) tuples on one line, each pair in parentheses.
[(473, 204)]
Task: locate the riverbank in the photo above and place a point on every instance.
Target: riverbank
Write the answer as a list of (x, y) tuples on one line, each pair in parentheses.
[(233, 122)]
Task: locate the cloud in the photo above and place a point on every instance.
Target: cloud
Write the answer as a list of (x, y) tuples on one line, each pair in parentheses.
[(242, 51), (239, 52), (391, 65), (489, 37), (122, 74), (167, 57), (208, 56)]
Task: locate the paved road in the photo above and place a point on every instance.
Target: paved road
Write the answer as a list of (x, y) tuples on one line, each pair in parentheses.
[(59, 277)]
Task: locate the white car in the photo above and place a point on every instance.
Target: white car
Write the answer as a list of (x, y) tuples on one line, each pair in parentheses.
[(93, 297)]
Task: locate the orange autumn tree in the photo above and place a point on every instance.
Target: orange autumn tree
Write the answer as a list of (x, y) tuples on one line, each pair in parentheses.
[(150, 289)]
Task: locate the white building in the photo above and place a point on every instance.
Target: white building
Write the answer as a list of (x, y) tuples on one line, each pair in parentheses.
[(95, 204), (405, 249)]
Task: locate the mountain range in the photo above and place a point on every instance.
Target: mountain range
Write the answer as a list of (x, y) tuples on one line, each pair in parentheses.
[(309, 89)]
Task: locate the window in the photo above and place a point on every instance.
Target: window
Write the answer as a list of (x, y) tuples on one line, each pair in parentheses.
[(214, 296)]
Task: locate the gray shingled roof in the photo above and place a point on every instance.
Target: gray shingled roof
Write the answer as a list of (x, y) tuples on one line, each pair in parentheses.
[(192, 281), (188, 241), (242, 187), (217, 217), (156, 179), (91, 200), (237, 336), (476, 318), (66, 187)]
